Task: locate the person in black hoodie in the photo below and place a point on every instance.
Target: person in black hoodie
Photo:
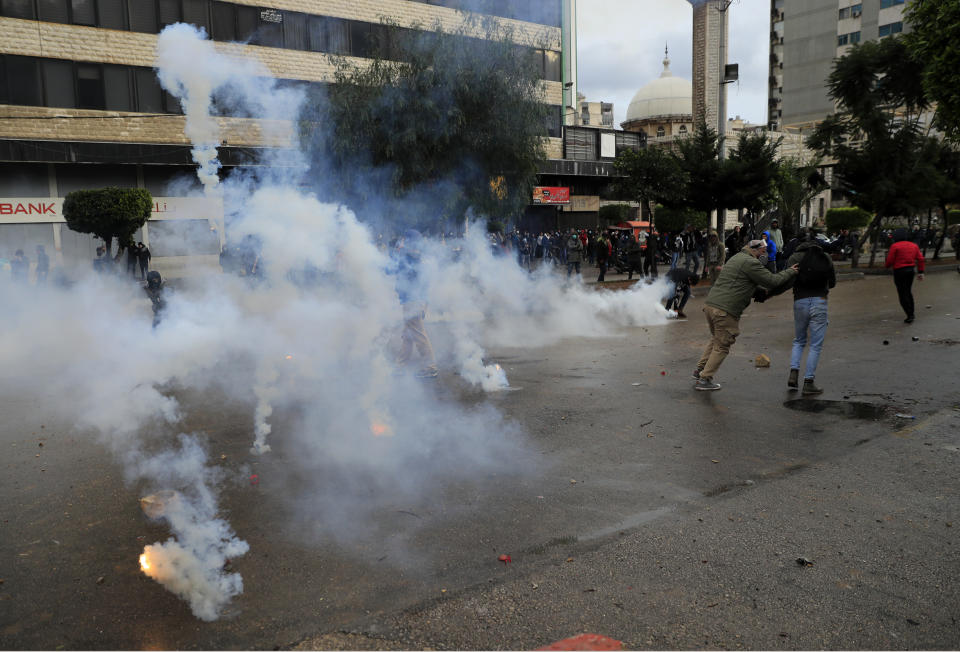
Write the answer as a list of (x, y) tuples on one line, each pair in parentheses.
[(814, 279), (682, 279)]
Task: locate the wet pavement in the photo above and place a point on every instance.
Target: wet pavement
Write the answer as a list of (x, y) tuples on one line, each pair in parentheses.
[(636, 507)]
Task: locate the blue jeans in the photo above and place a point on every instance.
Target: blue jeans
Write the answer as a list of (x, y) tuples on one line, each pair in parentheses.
[(809, 313)]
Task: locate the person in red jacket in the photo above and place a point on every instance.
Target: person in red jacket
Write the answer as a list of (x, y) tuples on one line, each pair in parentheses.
[(903, 256)]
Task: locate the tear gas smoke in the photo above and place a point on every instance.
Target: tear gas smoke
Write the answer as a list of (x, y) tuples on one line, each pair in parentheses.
[(311, 337)]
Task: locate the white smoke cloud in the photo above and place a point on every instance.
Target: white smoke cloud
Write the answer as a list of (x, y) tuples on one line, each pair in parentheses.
[(312, 338)]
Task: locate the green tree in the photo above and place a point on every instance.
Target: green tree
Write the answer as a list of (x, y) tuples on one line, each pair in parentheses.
[(934, 39), (749, 177), (675, 219), (648, 176), (435, 122), (883, 160), (794, 185), (108, 213), (698, 159), (614, 213), (846, 217)]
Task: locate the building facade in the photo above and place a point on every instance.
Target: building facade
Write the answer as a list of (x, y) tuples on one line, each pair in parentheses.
[(805, 38), (81, 107)]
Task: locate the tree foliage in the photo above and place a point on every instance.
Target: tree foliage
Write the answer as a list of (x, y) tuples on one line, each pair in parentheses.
[(934, 38), (795, 184), (443, 120), (615, 213), (108, 213), (846, 217), (883, 161), (698, 160), (648, 176), (675, 219)]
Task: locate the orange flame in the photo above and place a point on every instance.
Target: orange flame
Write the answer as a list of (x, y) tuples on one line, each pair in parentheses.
[(289, 357), (380, 429), (144, 564)]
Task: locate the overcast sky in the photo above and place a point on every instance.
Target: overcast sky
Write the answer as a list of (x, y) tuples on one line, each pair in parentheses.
[(620, 49)]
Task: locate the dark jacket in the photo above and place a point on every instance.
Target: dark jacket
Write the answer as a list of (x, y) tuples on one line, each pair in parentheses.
[(804, 287)]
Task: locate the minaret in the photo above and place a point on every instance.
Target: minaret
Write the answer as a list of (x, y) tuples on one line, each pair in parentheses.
[(709, 59)]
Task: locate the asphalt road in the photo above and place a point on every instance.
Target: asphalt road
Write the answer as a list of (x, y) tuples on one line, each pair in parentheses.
[(642, 510)]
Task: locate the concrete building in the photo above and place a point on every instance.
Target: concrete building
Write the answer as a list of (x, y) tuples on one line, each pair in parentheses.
[(594, 114), (81, 108), (710, 33), (662, 109), (805, 37)]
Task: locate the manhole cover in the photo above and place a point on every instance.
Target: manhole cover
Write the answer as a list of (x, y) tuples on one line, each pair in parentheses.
[(849, 409)]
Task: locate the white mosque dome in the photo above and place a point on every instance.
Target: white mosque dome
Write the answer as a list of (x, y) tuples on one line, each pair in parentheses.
[(665, 96)]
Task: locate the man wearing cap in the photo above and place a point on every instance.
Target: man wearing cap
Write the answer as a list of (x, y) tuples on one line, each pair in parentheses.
[(728, 298)]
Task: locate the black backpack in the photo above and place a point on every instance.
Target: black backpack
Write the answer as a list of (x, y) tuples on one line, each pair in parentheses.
[(814, 268)]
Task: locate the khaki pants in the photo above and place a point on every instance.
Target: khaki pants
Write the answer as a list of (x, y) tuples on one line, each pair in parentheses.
[(415, 333), (723, 333)]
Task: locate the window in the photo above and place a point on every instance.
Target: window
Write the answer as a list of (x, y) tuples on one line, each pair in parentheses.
[(844, 13), (843, 39), (84, 12), (295, 34), (58, 83), (889, 3), (148, 91), (551, 60), (111, 14), (143, 16), (854, 37), (23, 81), (17, 9), (117, 86), (580, 144), (53, 11), (224, 22), (661, 132), (90, 86), (196, 13), (856, 10), (169, 12), (683, 130), (584, 115), (890, 29), (553, 121)]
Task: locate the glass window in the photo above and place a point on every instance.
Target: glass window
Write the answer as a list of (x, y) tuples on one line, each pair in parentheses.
[(318, 34), (17, 9), (58, 83), (143, 16), (295, 34), (53, 11), (111, 14), (854, 37), (169, 12), (884, 30), (269, 34), (90, 86), (361, 40), (84, 12), (149, 94), (551, 61), (844, 13), (116, 85), (4, 94), (683, 130), (195, 13), (247, 22), (338, 36), (842, 39), (224, 22), (23, 81), (661, 132)]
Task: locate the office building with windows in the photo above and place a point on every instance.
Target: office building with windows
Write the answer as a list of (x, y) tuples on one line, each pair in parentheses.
[(81, 108), (805, 37)]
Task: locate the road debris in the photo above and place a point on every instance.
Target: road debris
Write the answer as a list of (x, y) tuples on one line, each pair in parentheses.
[(101, 579), (254, 479), (505, 559), (803, 561), (900, 415), (762, 360)]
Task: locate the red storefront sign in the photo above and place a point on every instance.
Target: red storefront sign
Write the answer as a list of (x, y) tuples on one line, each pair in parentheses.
[(551, 195)]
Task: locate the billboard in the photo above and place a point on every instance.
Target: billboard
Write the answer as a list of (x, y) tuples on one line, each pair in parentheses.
[(551, 195)]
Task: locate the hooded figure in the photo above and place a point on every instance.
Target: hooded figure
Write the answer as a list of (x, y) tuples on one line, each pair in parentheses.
[(411, 295), (154, 290)]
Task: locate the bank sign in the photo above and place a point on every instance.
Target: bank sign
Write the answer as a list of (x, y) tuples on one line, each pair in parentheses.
[(33, 210), (551, 195)]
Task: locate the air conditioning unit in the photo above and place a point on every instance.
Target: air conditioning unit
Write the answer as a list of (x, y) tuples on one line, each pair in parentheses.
[(856, 13)]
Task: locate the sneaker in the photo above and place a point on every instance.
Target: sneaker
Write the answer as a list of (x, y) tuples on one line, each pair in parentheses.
[(810, 388), (696, 374), (908, 320), (706, 385), (680, 315), (793, 380), (428, 373)]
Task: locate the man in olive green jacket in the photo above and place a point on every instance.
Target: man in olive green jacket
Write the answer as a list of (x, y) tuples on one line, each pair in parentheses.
[(728, 298)]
